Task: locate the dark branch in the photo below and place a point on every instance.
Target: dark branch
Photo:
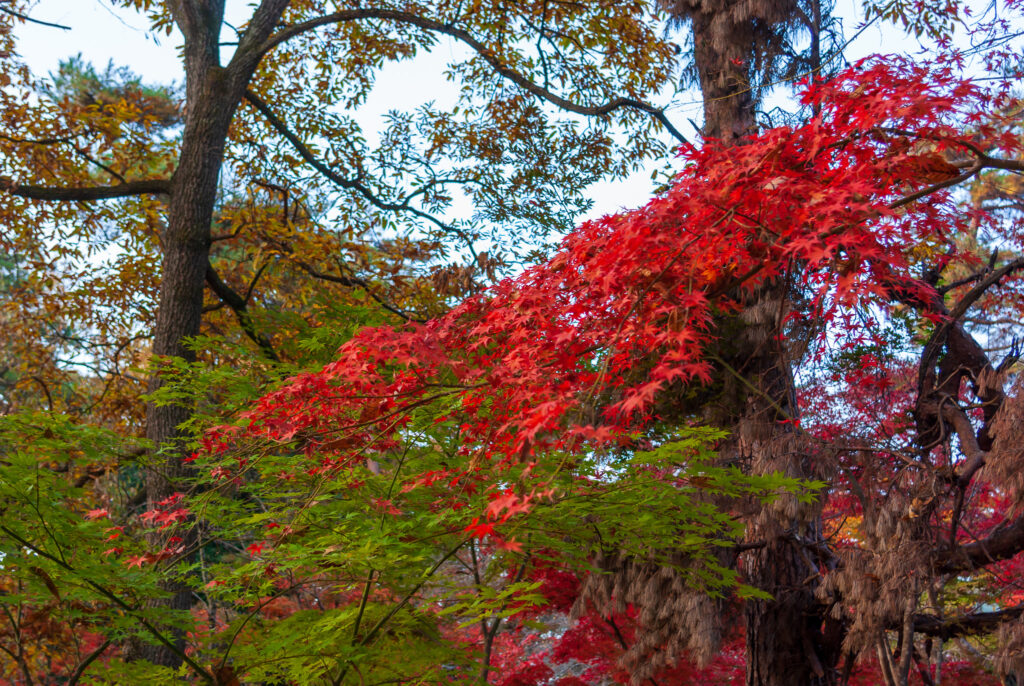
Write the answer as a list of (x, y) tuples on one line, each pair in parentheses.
[(1003, 543), (924, 192), (965, 625), (339, 180), (128, 608), (486, 53), (240, 307), (124, 190), (25, 17), (347, 281)]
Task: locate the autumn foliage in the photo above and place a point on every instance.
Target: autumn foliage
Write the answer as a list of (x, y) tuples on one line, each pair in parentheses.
[(533, 487)]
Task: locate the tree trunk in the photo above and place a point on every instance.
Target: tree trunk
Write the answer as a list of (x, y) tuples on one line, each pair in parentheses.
[(186, 246), (723, 71), (787, 639), (212, 97)]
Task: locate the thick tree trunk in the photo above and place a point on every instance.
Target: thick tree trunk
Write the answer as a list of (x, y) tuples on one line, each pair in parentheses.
[(213, 94), (788, 641), (723, 72), (186, 246)]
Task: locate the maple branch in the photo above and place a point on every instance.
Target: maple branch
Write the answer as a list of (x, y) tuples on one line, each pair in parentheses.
[(965, 625), (89, 659), (239, 306), (983, 159), (88, 194), (504, 70), (372, 634), (117, 600), (928, 190)]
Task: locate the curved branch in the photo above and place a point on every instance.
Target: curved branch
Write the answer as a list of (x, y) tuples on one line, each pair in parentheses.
[(354, 282), (341, 181), (1002, 544), (239, 306), (924, 192), (89, 194), (288, 32)]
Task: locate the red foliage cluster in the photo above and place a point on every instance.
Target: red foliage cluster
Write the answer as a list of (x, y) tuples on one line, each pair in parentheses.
[(829, 203)]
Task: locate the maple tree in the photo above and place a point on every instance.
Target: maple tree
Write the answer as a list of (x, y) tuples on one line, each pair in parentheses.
[(749, 432), (851, 211)]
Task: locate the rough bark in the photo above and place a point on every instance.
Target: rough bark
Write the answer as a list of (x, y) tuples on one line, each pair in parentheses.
[(787, 639), (213, 94), (724, 81)]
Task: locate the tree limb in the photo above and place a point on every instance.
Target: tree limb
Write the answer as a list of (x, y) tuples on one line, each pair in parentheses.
[(349, 184), (1003, 543), (88, 194), (965, 625), (25, 17), (239, 306), (117, 600), (486, 53)]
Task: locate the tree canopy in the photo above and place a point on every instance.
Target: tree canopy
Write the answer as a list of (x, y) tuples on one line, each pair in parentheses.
[(275, 415)]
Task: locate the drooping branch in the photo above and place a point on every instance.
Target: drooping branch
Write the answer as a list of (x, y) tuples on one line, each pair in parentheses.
[(87, 194), (486, 53), (240, 307)]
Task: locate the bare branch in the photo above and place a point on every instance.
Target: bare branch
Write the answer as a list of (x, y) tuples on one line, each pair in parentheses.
[(239, 306), (25, 17), (88, 194)]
